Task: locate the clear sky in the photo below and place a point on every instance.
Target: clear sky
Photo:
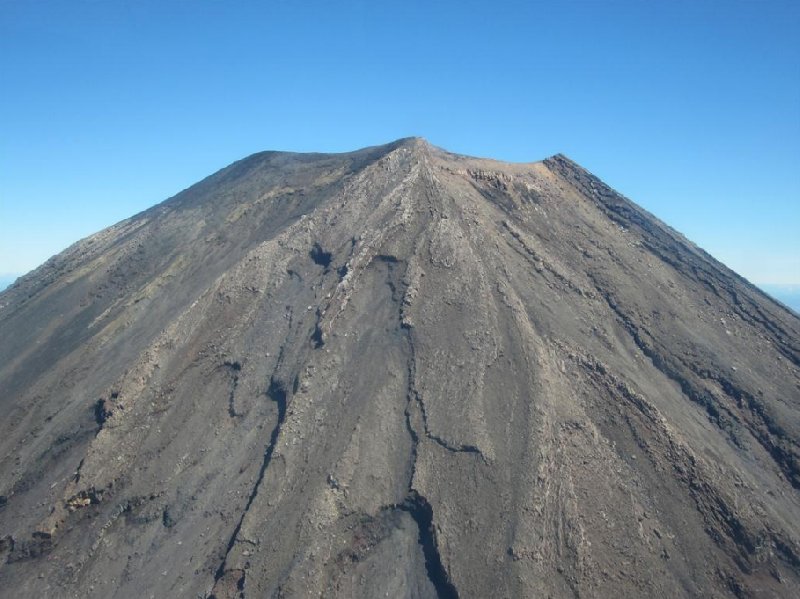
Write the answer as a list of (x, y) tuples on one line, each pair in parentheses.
[(689, 107)]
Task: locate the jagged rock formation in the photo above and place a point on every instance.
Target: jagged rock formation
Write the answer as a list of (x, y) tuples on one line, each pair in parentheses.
[(396, 372)]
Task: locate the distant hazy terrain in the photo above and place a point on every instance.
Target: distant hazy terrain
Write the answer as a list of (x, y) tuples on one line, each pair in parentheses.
[(787, 294), (6, 280)]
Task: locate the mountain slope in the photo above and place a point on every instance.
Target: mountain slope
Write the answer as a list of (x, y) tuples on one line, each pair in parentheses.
[(396, 372)]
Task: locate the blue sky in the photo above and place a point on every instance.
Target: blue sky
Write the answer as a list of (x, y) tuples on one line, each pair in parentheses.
[(690, 108)]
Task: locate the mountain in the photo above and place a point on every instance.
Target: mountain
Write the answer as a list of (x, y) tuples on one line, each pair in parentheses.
[(396, 372)]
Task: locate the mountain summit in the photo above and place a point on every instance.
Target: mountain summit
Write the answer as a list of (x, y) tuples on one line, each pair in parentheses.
[(396, 372)]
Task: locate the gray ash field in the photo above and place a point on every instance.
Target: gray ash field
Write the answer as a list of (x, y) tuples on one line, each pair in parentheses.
[(396, 372)]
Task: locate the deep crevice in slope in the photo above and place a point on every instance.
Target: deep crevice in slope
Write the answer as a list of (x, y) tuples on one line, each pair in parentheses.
[(234, 369), (317, 337), (415, 504), (320, 256), (276, 392), (418, 507), (101, 413), (421, 511), (443, 443)]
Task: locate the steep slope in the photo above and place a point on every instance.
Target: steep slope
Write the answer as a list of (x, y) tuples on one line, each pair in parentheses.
[(396, 372)]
